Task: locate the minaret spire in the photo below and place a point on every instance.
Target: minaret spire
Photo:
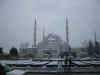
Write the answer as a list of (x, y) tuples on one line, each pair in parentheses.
[(43, 34), (67, 34), (35, 32), (67, 31), (95, 37)]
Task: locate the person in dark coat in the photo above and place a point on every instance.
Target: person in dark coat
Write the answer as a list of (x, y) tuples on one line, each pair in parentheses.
[(2, 70), (70, 62), (66, 63)]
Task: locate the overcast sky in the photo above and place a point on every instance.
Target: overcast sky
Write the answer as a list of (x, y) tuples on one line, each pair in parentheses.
[(17, 20)]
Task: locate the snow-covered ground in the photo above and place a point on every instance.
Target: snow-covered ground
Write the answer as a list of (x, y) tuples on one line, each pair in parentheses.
[(21, 70), (16, 61), (16, 72), (47, 62), (79, 63), (92, 62), (23, 62)]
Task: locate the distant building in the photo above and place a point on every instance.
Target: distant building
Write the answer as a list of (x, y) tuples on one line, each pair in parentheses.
[(26, 52), (50, 46)]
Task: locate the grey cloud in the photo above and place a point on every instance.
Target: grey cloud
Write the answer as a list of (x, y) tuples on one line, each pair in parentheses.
[(17, 19)]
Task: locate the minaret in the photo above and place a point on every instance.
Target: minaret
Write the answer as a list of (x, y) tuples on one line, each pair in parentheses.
[(35, 33), (43, 34), (67, 34), (97, 46), (95, 37)]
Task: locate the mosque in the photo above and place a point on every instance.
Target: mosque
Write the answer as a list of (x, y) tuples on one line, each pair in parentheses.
[(51, 45)]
